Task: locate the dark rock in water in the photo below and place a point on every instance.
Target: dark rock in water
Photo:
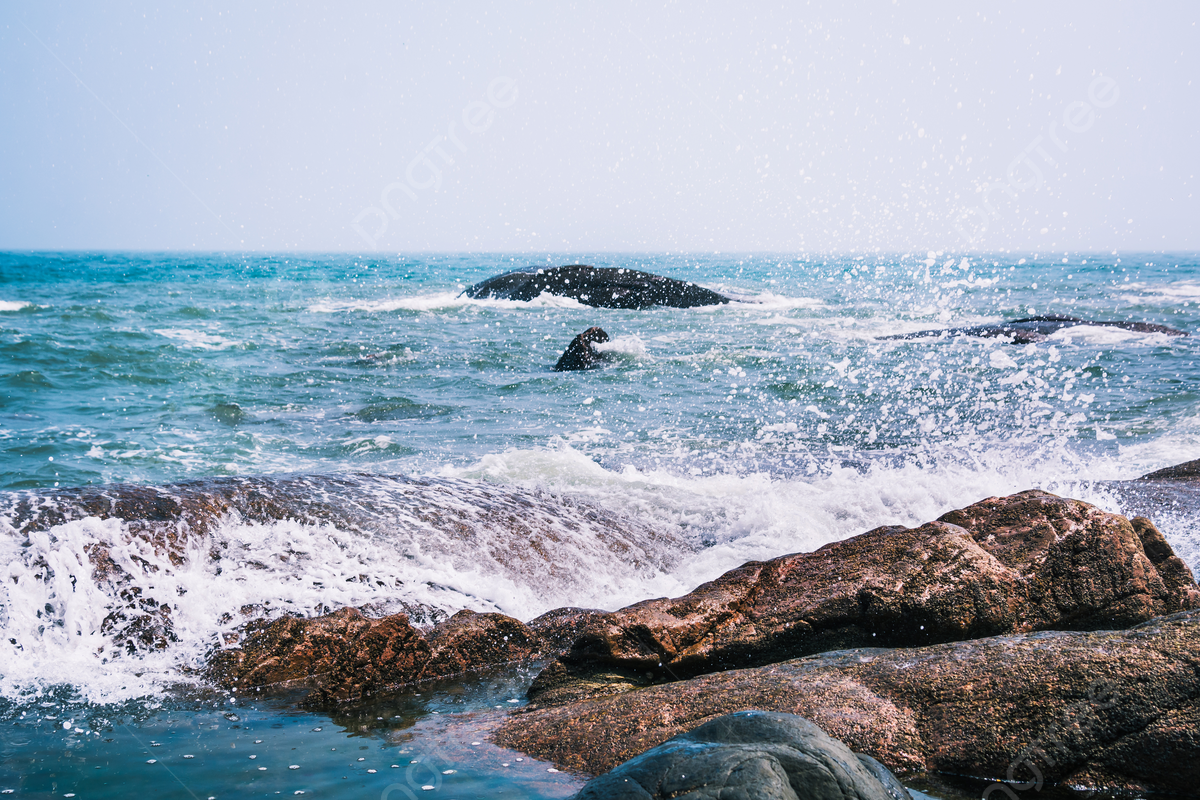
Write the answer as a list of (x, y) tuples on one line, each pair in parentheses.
[(1031, 561), (1108, 709), (1187, 471), (748, 754), (603, 287), (580, 354), (1035, 329)]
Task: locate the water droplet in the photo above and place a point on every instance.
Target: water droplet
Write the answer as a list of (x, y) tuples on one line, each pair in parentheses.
[(293, 766), (189, 756), (370, 772), (152, 761)]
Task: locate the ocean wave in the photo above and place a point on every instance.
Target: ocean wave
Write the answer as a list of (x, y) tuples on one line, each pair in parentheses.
[(197, 339), (13, 305), (119, 590), (1104, 335), (1169, 292), (439, 301), (627, 345)]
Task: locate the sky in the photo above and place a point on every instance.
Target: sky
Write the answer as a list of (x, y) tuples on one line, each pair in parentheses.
[(551, 127)]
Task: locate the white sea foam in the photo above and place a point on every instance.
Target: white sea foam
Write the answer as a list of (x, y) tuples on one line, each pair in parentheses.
[(769, 301), (439, 301), (1103, 335), (628, 345), (199, 340), (757, 516), (13, 305), (1169, 292), (447, 546)]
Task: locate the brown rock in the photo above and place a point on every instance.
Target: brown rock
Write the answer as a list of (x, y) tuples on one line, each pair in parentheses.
[(345, 655), (1031, 561), (469, 641), (1098, 709)]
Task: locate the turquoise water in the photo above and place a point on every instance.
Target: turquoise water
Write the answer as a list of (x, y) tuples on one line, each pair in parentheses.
[(774, 424), (217, 746), (124, 367)]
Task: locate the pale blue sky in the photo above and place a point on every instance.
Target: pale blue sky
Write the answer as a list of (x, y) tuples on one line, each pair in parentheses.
[(614, 126)]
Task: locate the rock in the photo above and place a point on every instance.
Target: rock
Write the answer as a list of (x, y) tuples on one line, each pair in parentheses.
[(1031, 561), (345, 656), (603, 287), (559, 628), (1115, 709), (469, 640), (1187, 471), (749, 754), (580, 354), (1035, 329)]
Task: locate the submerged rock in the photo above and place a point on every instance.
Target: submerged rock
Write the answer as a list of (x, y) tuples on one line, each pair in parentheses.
[(1031, 561), (603, 287), (1035, 329), (580, 354), (749, 754), (1107, 709)]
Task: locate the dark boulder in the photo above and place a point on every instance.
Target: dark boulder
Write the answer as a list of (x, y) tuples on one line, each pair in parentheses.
[(1034, 329), (1187, 471), (747, 754), (603, 287), (1028, 562), (580, 353), (1107, 709)]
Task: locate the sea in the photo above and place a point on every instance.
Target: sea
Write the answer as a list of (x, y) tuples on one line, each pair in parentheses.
[(390, 444)]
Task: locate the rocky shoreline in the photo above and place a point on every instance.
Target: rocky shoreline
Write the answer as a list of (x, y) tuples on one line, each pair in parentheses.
[(1027, 639), (1032, 639)]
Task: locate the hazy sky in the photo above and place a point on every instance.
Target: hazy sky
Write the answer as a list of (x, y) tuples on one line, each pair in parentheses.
[(614, 126)]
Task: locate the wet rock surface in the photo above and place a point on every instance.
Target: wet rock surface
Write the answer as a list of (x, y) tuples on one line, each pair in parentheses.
[(1188, 471), (749, 754), (1113, 709), (1035, 329), (1031, 561), (603, 287), (580, 354), (345, 656)]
